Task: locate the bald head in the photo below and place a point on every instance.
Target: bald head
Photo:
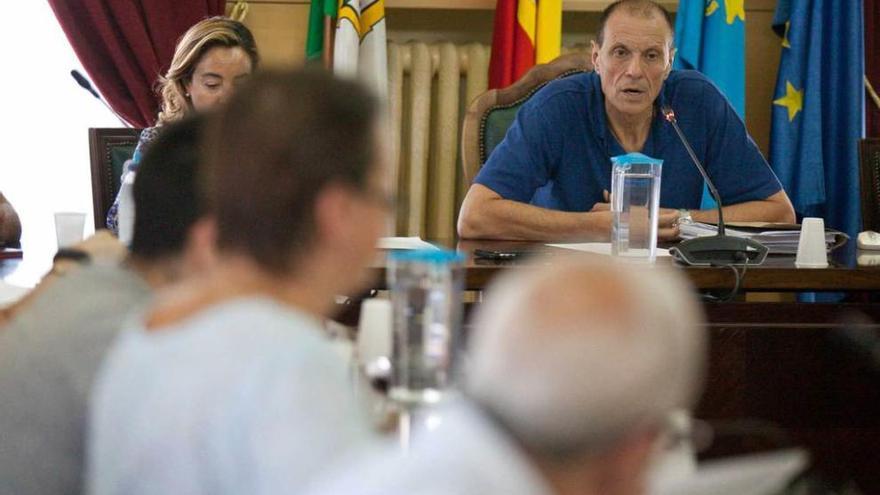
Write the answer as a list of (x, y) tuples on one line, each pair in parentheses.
[(575, 355), (645, 9)]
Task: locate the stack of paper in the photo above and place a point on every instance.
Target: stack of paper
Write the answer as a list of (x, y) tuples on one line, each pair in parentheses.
[(779, 238), (404, 243)]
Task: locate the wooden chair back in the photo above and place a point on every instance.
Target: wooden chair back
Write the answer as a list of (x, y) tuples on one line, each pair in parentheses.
[(491, 114), (109, 149)]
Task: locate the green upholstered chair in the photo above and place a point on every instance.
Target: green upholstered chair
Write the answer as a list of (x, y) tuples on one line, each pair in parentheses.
[(109, 149), (490, 114), (869, 169)]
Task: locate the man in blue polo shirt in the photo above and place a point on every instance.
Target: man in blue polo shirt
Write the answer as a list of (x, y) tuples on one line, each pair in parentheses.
[(549, 178)]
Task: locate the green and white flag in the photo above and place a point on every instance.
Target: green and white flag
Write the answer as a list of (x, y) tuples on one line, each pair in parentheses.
[(360, 48)]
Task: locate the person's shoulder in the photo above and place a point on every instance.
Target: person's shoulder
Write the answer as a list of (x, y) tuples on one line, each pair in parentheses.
[(148, 134), (691, 84), (565, 89)]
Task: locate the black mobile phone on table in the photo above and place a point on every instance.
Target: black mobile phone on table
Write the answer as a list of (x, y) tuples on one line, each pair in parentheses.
[(489, 254)]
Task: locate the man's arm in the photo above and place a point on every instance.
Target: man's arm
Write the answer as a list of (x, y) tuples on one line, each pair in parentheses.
[(486, 215), (10, 225), (775, 208)]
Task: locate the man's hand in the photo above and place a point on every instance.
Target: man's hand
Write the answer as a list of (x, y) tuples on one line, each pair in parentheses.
[(103, 247), (667, 226)]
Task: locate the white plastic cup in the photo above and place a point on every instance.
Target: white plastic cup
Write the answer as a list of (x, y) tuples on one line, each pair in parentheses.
[(374, 331), (69, 228), (811, 251)]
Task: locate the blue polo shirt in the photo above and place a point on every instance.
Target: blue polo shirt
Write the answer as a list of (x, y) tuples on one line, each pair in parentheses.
[(557, 154)]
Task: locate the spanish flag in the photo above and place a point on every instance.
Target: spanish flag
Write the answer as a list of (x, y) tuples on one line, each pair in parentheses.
[(526, 32)]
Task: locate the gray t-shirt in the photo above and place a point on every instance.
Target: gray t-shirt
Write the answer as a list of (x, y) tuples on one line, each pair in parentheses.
[(49, 356), (247, 396)]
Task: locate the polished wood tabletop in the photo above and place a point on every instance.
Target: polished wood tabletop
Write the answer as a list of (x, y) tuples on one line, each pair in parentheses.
[(777, 274)]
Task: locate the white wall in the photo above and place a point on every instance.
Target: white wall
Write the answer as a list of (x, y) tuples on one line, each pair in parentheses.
[(44, 155)]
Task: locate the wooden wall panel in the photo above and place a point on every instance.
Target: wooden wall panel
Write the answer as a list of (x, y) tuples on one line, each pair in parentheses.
[(763, 50), (280, 29)]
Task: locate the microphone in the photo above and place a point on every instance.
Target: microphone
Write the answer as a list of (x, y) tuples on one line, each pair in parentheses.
[(86, 85), (719, 249)]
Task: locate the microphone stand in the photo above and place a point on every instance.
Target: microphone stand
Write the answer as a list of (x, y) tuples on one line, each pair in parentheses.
[(86, 85), (719, 249)]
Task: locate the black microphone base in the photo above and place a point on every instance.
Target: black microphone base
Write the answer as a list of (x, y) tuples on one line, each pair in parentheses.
[(719, 250)]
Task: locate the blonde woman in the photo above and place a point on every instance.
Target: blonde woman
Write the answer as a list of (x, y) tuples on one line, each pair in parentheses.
[(211, 59)]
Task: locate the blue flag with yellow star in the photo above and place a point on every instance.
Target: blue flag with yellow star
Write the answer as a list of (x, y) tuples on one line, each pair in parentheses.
[(710, 36), (818, 108)]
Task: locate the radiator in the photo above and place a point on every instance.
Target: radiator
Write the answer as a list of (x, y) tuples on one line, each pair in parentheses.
[(430, 85)]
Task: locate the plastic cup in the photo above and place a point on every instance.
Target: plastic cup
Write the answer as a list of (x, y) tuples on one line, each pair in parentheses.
[(811, 251), (69, 228), (426, 297), (374, 331)]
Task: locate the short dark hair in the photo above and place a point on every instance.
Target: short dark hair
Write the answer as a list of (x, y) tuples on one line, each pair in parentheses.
[(165, 199), (645, 8), (280, 140)]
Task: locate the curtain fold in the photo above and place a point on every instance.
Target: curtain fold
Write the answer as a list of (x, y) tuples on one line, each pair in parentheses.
[(125, 46)]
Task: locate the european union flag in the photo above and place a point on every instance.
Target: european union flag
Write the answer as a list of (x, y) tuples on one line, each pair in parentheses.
[(710, 37), (818, 108)]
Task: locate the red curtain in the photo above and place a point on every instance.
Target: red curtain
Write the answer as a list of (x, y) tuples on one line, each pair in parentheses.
[(872, 65), (126, 45)]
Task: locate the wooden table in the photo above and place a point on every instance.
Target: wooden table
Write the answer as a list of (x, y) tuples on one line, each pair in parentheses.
[(780, 373), (777, 274)]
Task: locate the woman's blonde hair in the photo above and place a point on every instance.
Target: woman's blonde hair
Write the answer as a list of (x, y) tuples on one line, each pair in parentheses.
[(192, 46)]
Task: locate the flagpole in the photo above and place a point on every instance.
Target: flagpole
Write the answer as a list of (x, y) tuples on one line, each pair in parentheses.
[(329, 41), (871, 92)]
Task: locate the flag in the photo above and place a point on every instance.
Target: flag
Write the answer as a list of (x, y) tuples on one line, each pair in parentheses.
[(818, 109), (548, 30), (710, 38), (322, 14), (360, 49), (526, 32)]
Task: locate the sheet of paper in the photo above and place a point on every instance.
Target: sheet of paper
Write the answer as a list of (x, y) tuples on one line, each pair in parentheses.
[(599, 248), (404, 243), (10, 293)]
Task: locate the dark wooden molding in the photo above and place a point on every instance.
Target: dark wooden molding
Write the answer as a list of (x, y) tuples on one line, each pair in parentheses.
[(869, 174)]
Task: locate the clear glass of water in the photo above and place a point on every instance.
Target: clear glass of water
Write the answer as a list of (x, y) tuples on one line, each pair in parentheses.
[(635, 205), (426, 297)]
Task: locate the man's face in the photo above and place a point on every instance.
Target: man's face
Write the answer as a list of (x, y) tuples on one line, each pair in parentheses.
[(633, 61)]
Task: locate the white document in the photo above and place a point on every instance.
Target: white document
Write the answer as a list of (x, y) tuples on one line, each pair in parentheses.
[(779, 241), (11, 293), (600, 248), (404, 243)]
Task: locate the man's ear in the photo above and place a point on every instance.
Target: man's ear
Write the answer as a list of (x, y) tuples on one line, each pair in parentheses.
[(333, 210), (594, 55), (200, 251), (671, 61)]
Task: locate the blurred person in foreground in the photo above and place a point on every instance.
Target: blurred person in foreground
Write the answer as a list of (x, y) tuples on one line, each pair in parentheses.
[(228, 384), (210, 61), (53, 346), (10, 225), (573, 369)]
